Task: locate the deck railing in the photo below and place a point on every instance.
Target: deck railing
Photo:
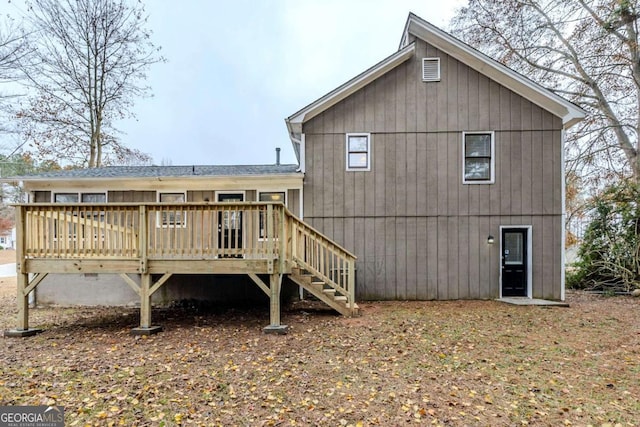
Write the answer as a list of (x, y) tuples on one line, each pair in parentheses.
[(73, 231), (183, 231), (154, 230), (323, 258)]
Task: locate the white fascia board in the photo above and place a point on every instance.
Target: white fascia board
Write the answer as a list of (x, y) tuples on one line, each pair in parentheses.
[(293, 180), (294, 122), (294, 129), (544, 98)]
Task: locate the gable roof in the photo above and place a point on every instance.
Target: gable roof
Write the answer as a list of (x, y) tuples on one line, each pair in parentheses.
[(569, 112)]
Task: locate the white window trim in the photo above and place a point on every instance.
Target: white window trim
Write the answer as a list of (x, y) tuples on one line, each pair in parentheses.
[(492, 164), (355, 169), (218, 192), (170, 192), (53, 195), (79, 193), (183, 223), (437, 60)]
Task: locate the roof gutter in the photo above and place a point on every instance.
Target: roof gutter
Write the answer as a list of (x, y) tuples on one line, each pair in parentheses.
[(297, 144)]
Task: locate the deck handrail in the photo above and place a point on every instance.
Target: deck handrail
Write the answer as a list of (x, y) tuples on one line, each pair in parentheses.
[(198, 231), (163, 239), (320, 234), (192, 230), (323, 258)]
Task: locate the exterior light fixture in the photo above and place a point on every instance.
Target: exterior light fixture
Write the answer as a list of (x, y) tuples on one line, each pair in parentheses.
[(490, 240)]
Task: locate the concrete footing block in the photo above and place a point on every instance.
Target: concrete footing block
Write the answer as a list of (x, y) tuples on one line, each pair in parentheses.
[(151, 330), (20, 333), (278, 330)]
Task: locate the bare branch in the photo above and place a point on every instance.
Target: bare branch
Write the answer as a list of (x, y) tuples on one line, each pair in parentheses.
[(586, 50), (88, 64)]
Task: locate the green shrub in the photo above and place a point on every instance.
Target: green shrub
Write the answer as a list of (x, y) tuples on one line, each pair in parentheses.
[(609, 256)]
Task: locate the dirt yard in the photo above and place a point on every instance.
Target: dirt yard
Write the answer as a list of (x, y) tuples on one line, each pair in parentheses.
[(7, 256), (432, 363)]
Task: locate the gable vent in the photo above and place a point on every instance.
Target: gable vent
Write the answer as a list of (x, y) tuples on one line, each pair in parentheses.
[(430, 69)]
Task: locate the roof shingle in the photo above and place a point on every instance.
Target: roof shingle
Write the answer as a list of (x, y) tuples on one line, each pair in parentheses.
[(166, 171)]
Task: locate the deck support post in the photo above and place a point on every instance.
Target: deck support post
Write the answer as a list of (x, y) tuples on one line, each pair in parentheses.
[(23, 302), (145, 327), (145, 301), (22, 329), (275, 282)]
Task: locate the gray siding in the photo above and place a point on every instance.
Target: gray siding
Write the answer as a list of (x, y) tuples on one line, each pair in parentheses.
[(293, 202), (418, 232), (42, 197)]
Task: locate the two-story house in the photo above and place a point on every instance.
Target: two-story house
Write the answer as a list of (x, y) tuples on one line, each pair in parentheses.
[(438, 173)]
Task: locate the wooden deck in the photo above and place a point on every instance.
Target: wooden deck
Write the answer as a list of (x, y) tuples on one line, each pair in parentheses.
[(163, 239)]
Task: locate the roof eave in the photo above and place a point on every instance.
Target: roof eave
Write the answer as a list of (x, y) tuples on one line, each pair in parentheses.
[(573, 117), (404, 40), (28, 180), (544, 98), (294, 135), (10, 181), (295, 121)]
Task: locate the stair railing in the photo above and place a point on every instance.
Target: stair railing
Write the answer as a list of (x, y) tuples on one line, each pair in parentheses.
[(325, 259)]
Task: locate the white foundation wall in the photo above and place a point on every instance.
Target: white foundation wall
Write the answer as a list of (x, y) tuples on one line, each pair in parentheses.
[(110, 290), (88, 290)]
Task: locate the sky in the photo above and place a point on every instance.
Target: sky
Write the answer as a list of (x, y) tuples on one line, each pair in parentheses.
[(236, 69)]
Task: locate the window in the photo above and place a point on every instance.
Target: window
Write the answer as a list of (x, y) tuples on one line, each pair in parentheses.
[(171, 197), (479, 159), (269, 196), (171, 217), (65, 198), (430, 69), (87, 227), (93, 198), (80, 197), (358, 151), (272, 196)]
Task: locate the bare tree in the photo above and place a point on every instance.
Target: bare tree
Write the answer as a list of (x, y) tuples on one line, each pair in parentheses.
[(87, 65), (13, 48), (584, 50)]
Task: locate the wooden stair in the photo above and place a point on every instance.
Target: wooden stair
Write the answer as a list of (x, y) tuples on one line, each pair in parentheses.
[(324, 292), (322, 267)]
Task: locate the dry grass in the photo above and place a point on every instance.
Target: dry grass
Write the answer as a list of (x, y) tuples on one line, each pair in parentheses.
[(7, 284), (7, 256), (433, 363)]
